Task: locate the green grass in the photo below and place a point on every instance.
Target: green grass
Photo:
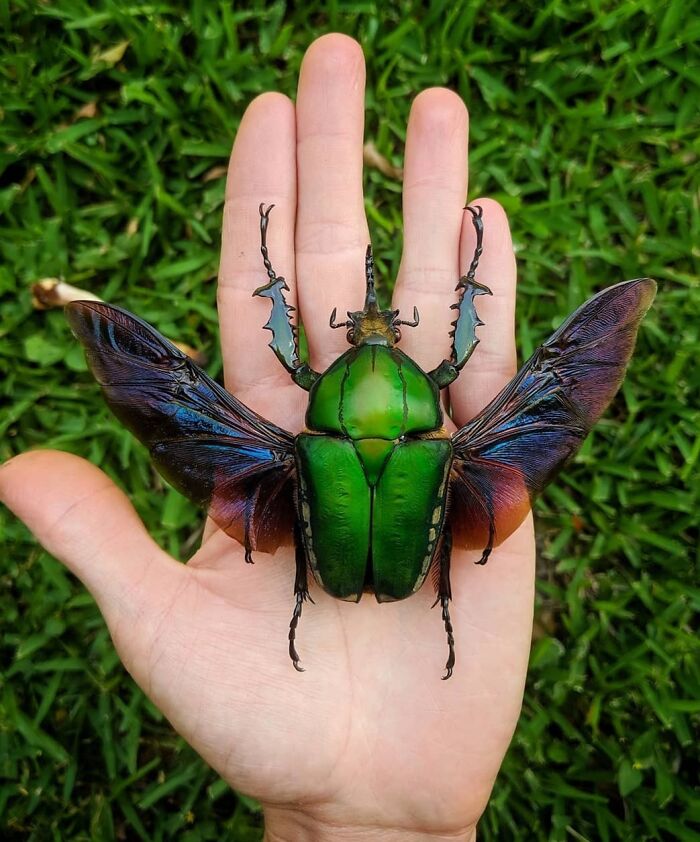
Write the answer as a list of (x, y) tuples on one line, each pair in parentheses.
[(585, 126)]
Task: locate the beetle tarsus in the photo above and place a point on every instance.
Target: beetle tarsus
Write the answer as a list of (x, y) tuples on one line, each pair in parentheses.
[(301, 592), (293, 654), (449, 665), (264, 221), (477, 213), (247, 543), (464, 338), (444, 589)]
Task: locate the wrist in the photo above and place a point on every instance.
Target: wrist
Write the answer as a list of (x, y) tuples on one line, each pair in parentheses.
[(286, 825)]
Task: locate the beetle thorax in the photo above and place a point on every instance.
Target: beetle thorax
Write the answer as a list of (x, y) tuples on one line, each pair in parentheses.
[(373, 327), (374, 391)]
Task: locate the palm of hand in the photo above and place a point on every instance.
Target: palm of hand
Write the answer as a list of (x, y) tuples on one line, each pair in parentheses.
[(369, 731), (368, 736)]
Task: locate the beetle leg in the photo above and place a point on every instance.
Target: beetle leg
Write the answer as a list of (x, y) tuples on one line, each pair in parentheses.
[(489, 546), (464, 338), (301, 592), (284, 333), (444, 596), (488, 508)]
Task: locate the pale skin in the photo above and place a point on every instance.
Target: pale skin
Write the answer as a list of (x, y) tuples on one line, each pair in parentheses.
[(367, 743)]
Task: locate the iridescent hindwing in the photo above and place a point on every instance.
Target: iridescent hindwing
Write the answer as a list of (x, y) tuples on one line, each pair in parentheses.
[(208, 445), (507, 454)]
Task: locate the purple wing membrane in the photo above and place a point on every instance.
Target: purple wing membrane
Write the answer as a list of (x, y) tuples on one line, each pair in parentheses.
[(207, 444), (507, 454)]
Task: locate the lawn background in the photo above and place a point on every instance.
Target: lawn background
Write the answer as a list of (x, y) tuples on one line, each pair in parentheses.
[(115, 121)]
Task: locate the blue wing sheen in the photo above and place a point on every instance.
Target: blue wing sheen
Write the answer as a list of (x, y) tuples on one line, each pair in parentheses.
[(206, 443), (507, 454)]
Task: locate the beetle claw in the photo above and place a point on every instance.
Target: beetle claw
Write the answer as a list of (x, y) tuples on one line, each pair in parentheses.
[(484, 556), (293, 654), (445, 600)]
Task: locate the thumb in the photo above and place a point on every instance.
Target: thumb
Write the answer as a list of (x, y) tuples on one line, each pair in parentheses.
[(80, 516)]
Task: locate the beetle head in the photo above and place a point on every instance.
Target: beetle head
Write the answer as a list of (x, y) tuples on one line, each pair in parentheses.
[(372, 326)]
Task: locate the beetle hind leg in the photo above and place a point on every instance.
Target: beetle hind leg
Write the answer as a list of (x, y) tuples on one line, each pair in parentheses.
[(444, 595), (301, 593)]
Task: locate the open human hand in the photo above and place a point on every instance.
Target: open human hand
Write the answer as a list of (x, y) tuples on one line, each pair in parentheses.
[(368, 741)]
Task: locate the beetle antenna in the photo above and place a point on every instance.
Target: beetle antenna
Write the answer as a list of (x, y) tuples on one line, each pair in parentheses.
[(335, 325), (414, 323)]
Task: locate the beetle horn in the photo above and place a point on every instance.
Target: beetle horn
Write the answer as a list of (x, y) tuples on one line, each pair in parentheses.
[(371, 294)]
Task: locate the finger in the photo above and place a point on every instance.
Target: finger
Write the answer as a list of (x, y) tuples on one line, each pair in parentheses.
[(80, 516), (262, 169), (435, 187), (332, 232), (493, 363)]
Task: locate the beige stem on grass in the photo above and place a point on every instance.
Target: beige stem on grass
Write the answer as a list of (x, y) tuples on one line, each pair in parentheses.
[(50, 293)]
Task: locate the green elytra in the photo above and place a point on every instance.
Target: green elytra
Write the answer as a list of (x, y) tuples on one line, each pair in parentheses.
[(374, 459)]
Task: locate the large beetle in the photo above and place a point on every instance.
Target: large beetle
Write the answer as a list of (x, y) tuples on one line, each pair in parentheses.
[(374, 490)]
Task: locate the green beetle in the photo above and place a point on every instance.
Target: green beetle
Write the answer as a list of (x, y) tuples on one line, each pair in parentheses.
[(372, 467), (374, 489)]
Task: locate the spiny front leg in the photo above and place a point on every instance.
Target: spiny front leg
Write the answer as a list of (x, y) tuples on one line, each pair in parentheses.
[(284, 339), (464, 339)]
